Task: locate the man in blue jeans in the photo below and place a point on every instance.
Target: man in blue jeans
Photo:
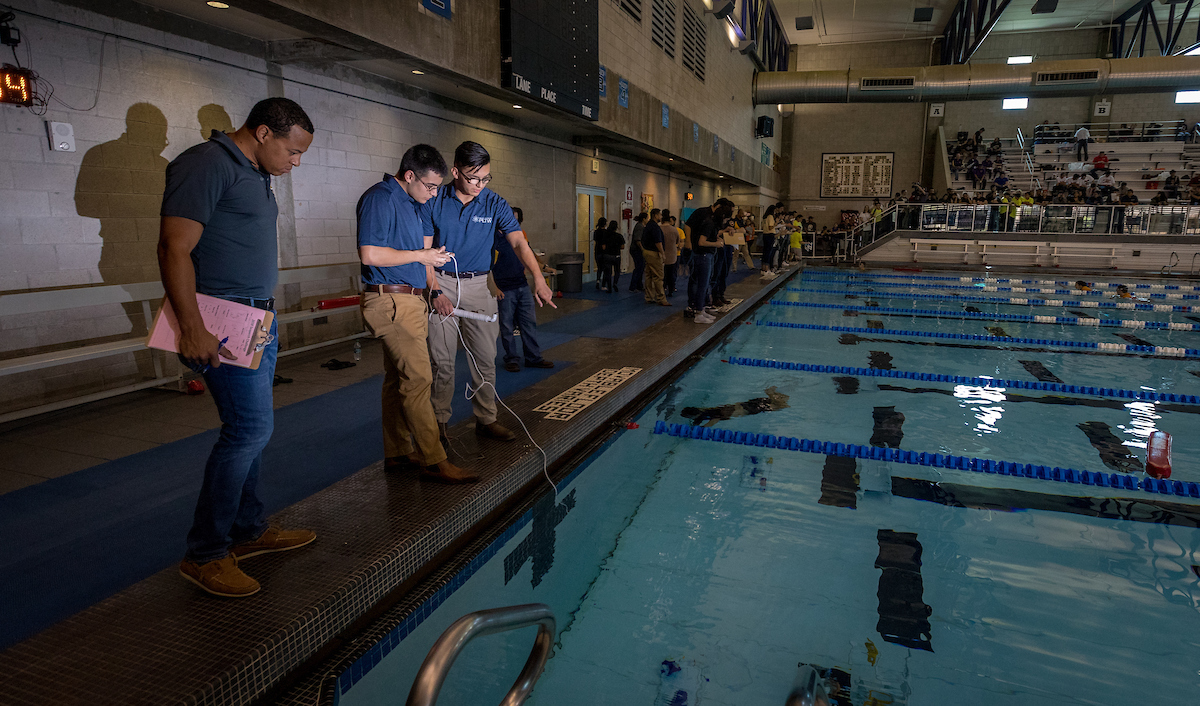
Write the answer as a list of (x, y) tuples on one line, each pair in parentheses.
[(217, 237), (702, 230), (515, 305)]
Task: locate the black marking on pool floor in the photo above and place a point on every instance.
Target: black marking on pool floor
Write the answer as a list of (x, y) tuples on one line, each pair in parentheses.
[(847, 312), (874, 324), (972, 309), (852, 339), (773, 402), (1193, 318), (755, 470), (888, 432), (881, 360), (1155, 511), (996, 331), (1113, 451), (839, 482), (852, 296), (539, 544), (903, 615), (1039, 371), (1130, 338), (846, 385)]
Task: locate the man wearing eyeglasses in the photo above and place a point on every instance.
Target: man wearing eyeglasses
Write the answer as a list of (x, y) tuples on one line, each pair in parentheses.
[(465, 218), (397, 268)]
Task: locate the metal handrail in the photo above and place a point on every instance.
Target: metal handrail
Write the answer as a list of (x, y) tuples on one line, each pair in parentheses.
[(441, 656), (809, 689)]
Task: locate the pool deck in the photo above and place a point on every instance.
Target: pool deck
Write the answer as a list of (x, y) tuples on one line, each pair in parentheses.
[(160, 640)]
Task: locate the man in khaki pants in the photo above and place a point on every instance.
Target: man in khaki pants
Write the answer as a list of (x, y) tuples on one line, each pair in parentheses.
[(652, 249), (466, 217), (398, 261)]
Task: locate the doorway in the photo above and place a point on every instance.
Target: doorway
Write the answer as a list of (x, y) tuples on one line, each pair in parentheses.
[(590, 202)]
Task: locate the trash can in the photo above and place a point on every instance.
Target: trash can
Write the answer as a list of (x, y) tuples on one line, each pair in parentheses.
[(571, 266)]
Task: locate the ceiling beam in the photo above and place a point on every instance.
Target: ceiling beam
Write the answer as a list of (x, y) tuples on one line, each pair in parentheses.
[(969, 25)]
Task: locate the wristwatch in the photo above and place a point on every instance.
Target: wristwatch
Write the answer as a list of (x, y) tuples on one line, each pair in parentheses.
[(434, 294)]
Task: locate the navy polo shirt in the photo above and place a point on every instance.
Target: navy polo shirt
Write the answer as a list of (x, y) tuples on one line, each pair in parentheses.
[(507, 269), (215, 184), (467, 230), (388, 218)]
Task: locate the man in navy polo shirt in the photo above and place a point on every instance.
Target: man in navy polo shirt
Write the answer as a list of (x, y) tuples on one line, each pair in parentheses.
[(218, 237), (516, 307), (465, 218), (398, 261)]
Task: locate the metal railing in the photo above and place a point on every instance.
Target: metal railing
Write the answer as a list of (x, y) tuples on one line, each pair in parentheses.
[(809, 689), (1149, 131), (441, 656)]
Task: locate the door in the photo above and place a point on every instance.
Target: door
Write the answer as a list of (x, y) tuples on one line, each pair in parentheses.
[(590, 204)]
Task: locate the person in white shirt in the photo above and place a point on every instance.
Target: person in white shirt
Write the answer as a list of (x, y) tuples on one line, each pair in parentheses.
[(1082, 135)]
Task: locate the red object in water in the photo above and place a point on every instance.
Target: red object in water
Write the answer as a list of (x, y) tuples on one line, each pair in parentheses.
[(195, 387), (631, 425), (1158, 455), (338, 303)]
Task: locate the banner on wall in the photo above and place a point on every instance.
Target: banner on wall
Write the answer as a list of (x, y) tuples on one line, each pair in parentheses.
[(647, 203), (861, 174)]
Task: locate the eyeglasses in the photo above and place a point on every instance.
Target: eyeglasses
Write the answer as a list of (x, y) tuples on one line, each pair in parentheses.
[(478, 181), (431, 188)]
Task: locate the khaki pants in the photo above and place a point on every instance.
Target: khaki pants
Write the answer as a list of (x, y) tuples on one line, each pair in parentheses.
[(400, 322), (481, 343), (654, 276), (743, 251)]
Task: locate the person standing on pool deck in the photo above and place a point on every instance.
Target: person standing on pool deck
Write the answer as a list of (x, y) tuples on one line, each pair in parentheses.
[(465, 217), (516, 306), (397, 267), (217, 237)]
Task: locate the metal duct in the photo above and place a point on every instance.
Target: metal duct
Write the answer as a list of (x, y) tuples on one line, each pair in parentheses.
[(1079, 77)]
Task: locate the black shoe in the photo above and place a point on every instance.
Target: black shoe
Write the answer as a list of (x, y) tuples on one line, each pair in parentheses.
[(494, 431), (543, 363), (512, 367)]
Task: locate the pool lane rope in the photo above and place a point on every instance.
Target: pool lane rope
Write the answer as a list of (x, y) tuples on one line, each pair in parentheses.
[(1005, 300), (1120, 481), (998, 280), (1091, 345), (1007, 290), (1133, 395), (985, 316)]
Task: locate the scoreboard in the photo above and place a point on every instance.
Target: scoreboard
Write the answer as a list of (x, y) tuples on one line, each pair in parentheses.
[(550, 52), (16, 85), (867, 174)]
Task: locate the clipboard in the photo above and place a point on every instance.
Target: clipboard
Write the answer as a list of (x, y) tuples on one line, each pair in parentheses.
[(736, 237), (248, 329)]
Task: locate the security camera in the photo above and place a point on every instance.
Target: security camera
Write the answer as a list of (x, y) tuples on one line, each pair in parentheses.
[(722, 8)]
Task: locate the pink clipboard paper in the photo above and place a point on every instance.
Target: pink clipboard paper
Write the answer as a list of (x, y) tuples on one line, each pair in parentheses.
[(247, 328)]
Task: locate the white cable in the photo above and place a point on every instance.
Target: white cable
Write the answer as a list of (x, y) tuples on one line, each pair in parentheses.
[(470, 395)]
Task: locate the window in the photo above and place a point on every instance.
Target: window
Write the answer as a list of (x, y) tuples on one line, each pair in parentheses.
[(1020, 59), (1187, 97), (633, 8), (1016, 103), (695, 41), (662, 25)]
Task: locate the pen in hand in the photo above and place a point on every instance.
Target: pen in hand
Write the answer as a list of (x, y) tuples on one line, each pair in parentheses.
[(220, 346)]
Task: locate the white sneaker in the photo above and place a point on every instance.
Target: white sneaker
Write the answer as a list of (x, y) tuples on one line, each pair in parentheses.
[(702, 318)]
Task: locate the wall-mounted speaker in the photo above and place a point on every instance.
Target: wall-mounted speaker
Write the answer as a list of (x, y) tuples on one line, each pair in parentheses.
[(62, 136), (765, 127)]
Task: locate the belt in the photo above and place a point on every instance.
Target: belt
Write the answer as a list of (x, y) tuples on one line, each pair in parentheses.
[(463, 275), (266, 304), (394, 289)]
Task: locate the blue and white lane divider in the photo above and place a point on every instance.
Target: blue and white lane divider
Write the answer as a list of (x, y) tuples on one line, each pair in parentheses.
[(1000, 280), (1120, 481), (1007, 290), (1139, 395), (985, 316), (1005, 300), (1112, 347)]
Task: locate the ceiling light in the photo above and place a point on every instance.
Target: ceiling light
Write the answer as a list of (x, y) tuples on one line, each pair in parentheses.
[(1187, 97), (1044, 7), (670, 159), (218, 5), (516, 106), (1020, 59), (1016, 103), (418, 72)]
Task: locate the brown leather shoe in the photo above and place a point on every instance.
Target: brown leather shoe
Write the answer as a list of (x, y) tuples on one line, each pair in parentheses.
[(543, 363), (221, 577), (273, 540), (494, 431), (401, 464), (446, 472)]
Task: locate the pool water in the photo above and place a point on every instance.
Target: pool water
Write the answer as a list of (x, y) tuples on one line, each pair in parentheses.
[(732, 565)]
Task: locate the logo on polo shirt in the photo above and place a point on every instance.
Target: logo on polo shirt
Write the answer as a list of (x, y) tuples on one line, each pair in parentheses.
[(481, 219)]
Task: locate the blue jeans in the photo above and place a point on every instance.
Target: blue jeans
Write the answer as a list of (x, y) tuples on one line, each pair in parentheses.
[(699, 282), (228, 510), (721, 260), (517, 307), (639, 268)]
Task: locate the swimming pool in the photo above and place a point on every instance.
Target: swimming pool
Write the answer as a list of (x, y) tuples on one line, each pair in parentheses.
[(714, 567)]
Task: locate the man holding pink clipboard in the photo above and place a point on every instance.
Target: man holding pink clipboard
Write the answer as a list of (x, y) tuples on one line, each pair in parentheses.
[(218, 238)]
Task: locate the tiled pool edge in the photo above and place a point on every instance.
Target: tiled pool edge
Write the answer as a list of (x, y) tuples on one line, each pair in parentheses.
[(270, 663)]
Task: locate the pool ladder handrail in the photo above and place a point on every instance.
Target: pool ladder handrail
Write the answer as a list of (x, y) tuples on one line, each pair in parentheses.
[(809, 689), (441, 656)]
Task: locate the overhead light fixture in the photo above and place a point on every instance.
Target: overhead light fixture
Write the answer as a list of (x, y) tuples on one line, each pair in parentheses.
[(803, 23), (670, 159), (1016, 103), (418, 72), (722, 8), (923, 14), (748, 46), (1187, 97), (1044, 7), (516, 106), (1020, 59), (218, 5)]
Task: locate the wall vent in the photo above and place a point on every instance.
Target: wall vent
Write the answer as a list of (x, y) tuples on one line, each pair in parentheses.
[(633, 8), (662, 25), (1056, 77), (695, 42), (884, 84)]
